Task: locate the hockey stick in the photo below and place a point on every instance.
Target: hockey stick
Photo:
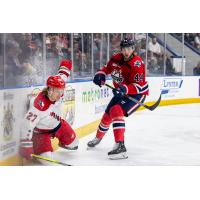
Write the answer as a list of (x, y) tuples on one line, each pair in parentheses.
[(151, 108), (49, 160)]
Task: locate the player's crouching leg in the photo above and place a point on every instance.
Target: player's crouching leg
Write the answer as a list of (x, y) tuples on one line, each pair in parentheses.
[(67, 137)]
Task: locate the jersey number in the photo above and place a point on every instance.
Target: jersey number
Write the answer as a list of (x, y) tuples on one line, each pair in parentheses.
[(139, 77), (31, 116)]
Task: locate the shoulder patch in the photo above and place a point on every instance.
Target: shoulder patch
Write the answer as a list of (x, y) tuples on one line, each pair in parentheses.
[(41, 102), (137, 63)]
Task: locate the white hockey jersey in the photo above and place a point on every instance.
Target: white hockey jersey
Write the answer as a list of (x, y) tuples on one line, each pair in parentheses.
[(43, 116)]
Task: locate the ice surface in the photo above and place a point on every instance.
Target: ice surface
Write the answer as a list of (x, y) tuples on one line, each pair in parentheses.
[(166, 136)]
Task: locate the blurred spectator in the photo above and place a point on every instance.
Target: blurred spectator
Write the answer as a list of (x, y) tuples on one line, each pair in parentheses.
[(13, 65), (96, 50), (192, 39), (169, 67), (86, 37), (104, 56), (196, 70), (139, 37), (85, 64), (141, 48), (17, 70), (51, 56), (189, 38), (77, 62), (77, 47), (77, 56), (197, 41), (57, 48), (155, 56), (28, 47), (64, 44), (127, 35), (154, 47), (115, 39), (97, 41)]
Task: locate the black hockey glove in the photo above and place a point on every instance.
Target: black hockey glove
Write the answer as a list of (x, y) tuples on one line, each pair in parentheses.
[(99, 79), (120, 91)]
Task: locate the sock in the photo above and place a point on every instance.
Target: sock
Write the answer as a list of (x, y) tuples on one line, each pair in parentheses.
[(103, 126)]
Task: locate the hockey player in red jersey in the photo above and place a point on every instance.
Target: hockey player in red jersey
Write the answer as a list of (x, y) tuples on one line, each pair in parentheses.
[(129, 77), (43, 120)]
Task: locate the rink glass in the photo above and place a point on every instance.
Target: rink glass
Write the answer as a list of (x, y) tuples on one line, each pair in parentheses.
[(27, 59)]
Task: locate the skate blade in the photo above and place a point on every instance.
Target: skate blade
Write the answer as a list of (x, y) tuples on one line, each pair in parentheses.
[(118, 156)]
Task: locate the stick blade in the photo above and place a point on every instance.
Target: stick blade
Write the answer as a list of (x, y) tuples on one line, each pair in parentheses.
[(154, 106)]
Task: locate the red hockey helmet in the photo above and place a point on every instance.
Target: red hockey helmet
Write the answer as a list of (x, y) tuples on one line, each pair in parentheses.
[(66, 63), (56, 81)]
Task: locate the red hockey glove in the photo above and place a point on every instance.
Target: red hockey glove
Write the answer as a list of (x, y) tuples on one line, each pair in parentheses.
[(65, 67), (26, 149)]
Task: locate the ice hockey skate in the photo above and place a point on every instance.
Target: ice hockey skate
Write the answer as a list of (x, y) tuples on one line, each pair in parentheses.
[(118, 152), (72, 146), (94, 142), (68, 147)]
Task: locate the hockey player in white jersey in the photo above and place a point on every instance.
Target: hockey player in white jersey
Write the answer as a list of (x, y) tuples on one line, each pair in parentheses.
[(43, 120)]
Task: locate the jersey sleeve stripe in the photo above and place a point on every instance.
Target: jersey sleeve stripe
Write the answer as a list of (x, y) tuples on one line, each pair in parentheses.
[(62, 70), (141, 89)]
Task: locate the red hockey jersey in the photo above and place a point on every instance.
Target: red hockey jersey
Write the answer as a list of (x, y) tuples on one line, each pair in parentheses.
[(130, 73)]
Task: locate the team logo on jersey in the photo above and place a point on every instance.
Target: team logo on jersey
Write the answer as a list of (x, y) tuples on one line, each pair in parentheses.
[(117, 76), (137, 63), (8, 122), (41, 104)]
